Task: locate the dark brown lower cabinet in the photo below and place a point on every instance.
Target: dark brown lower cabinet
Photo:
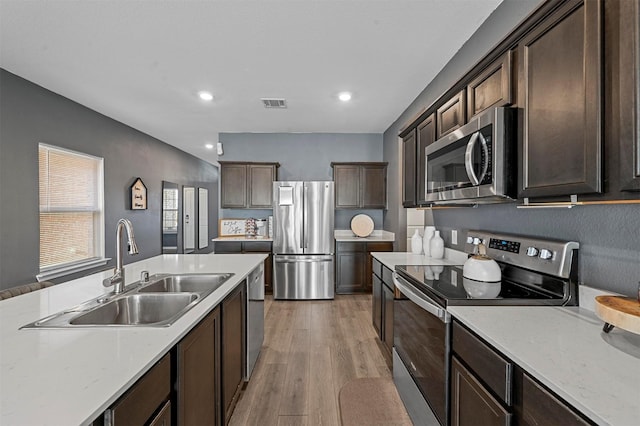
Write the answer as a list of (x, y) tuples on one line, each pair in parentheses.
[(147, 398), (471, 403), (376, 302), (198, 374), (353, 265), (387, 316), (383, 293), (489, 389), (538, 406), (233, 348), (164, 416)]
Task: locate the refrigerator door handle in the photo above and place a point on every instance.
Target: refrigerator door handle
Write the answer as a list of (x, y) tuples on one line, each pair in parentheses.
[(303, 260), (305, 217)]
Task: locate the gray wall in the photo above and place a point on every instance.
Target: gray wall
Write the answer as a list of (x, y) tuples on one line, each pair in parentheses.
[(506, 16), (303, 156), (609, 251), (30, 114)]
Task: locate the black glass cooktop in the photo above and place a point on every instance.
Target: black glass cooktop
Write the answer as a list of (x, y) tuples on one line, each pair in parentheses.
[(447, 286)]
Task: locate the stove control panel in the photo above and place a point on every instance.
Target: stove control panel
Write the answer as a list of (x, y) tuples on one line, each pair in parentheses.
[(504, 245), (548, 256)]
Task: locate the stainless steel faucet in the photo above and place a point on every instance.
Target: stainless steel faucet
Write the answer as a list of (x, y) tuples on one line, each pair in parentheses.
[(117, 280)]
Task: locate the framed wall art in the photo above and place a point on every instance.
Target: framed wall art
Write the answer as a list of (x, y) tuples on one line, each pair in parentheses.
[(138, 192), (231, 227)]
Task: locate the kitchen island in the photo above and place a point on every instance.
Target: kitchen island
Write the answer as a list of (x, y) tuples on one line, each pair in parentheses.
[(70, 376)]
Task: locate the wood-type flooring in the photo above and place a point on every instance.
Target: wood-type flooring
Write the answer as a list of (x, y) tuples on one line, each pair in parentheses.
[(311, 349)]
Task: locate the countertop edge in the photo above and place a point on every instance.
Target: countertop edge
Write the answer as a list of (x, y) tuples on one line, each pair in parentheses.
[(143, 362)]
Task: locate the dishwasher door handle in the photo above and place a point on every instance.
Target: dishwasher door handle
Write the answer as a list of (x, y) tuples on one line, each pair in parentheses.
[(423, 301)]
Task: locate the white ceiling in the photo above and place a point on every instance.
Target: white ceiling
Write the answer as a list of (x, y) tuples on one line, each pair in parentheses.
[(143, 62)]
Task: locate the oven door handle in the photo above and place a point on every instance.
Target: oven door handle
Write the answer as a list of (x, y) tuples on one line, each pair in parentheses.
[(423, 301), (468, 158)]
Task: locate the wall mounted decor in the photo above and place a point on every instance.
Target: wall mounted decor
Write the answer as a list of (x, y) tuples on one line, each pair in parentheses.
[(138, 193), (231, 227)]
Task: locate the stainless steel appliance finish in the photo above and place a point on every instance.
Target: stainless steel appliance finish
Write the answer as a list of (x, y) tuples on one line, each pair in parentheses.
[(422, 339), (255, 318), (303, 241), (416, 406), (474, 164), (534, 272)]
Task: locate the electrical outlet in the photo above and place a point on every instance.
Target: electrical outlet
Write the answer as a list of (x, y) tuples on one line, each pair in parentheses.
[(454, 237), (454, 278)]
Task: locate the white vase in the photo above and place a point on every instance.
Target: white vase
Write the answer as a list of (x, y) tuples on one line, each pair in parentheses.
[(416, 243), (426, 239), (437, 246)]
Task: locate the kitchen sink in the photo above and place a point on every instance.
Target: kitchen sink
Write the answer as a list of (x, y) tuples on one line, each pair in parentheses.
[(138, 309), (192, 283), (158, 302)]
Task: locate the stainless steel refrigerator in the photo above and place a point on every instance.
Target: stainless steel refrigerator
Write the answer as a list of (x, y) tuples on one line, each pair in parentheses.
[(303, 240)]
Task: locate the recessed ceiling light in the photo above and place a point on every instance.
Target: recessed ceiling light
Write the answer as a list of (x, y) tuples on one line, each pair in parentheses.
[(209, 146), (205, 96), (344, 96)]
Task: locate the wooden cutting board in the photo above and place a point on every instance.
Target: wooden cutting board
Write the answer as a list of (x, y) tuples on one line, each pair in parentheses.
[(622, 312)]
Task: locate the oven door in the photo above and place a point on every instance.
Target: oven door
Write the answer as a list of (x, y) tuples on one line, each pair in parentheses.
[(422, 339)]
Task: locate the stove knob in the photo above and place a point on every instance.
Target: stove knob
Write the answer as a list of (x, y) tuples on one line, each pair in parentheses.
[(532, 251), (546, 254), (469, 240), (476, 241)]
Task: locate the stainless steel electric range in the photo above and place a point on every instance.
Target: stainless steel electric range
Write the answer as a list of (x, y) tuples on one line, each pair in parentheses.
[(534, 272)]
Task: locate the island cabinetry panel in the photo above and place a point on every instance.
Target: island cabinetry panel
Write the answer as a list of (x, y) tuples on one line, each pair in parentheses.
[(146, 399), (409, 164), (354, 263), (198, 374), (246, 247), (560, 88), (247, 185), (451, 115), (492, 87), (233, 348), (360, 185)]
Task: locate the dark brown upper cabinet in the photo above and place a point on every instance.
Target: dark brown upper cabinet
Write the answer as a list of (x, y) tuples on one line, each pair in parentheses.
[(247, 185), (492, 88), (628, 76), (451, 115), (560, 88), (360, 185), (426, 136), (409, 168)]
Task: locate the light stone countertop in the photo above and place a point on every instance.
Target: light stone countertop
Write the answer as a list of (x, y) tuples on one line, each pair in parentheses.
[(378, 235), (566, 350), (391, 259), (241, 239), (70, 376)]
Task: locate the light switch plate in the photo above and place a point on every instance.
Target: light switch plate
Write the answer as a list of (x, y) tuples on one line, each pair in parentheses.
[(454, 237), (454, 278)]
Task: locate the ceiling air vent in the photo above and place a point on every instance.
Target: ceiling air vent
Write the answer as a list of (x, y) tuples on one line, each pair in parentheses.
[(274, 103)]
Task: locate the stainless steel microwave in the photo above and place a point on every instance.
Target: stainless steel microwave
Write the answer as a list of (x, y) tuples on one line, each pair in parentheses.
[(476, 163)]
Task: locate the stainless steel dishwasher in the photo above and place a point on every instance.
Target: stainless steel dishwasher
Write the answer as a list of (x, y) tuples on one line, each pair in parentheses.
[(255, 318)]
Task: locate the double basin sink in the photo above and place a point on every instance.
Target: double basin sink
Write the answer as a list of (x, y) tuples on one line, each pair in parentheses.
[(158, 302)]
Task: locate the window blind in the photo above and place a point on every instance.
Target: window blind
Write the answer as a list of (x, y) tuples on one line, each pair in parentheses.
[(70, 207)]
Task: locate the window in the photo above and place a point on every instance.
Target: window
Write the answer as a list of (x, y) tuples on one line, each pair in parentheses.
[(71, 211)]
